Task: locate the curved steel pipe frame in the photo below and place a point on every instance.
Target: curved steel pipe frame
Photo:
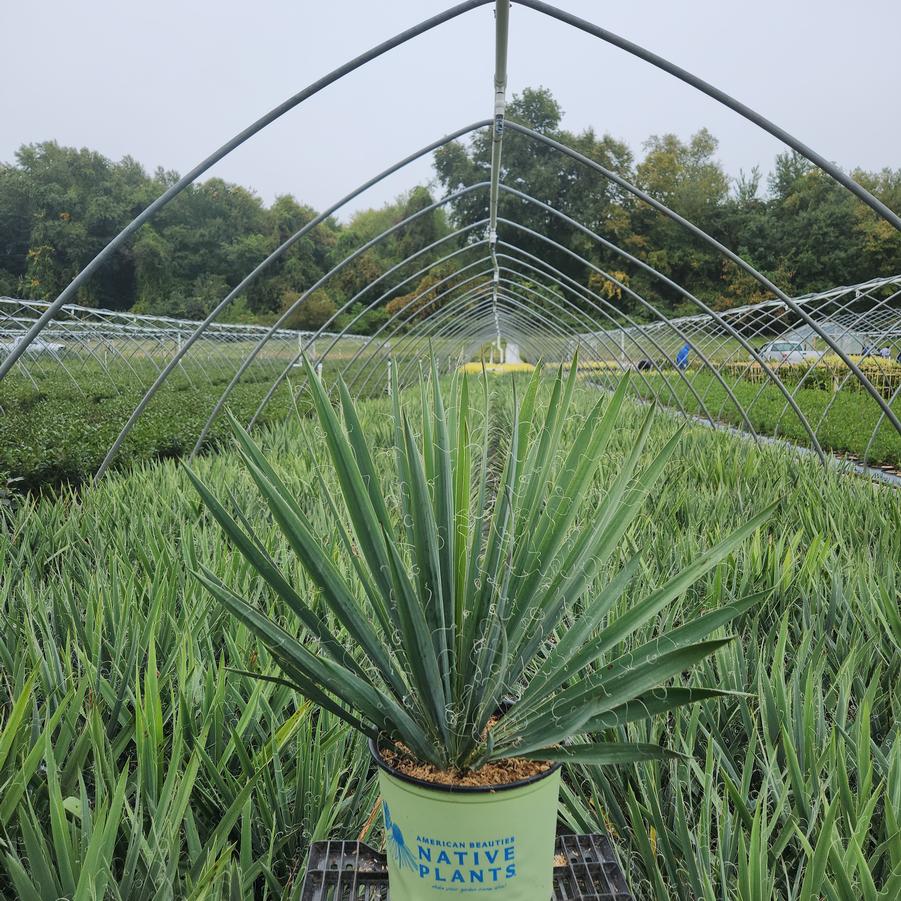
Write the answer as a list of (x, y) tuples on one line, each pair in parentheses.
[(557, 274), (276, 113), (302, 351), (800, 384), (494, 186), (394, 317), (654, 393), (509, 309), (583, 291), (717, 245), (481, 331), (252, 276), (333, 271), (646, 267), (469, 294), (311, 342), (843, 334), (521, 313), (481, 315), (685, 293), (475, 331), (513, 326), (447, 310), (516, 325), (517, 307), (595, 237), (721, 97), (861, 292), (637, 297), (373, 304), (670, 324), (765, 319), (284, 316), (575, 307), (891, 400), (866, 453), (573, 340), (624, 331), (548, 317), (572, 304), (428, 326), (652, 361), (480, 328), (445, 313)]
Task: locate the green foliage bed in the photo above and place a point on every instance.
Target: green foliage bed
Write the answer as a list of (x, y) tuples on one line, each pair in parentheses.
[(139, 760), (848, 417), (61, 430)]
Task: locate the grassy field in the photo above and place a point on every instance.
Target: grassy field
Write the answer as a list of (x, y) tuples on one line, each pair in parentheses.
[(58, 424), (59, 432), (139, 760), (843, 422)]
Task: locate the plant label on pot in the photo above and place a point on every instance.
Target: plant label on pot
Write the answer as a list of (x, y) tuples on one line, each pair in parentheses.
[(443, 839)]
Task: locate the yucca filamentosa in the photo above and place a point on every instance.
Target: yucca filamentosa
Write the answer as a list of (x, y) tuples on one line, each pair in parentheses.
[(473, 628)]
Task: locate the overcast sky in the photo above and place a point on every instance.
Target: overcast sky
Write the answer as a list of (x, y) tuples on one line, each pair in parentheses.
[(168, 81)]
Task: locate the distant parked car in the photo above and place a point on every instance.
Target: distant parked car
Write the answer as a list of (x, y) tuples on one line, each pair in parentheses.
[(790, 352), (38, 346)]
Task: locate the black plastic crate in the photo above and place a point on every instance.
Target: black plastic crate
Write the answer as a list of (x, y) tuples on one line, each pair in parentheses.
[(587, 870)]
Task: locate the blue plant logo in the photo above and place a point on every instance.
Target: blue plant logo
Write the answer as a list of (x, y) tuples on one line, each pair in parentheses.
[(397, 846)]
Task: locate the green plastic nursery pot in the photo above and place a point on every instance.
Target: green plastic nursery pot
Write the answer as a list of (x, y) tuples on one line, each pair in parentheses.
[(445, 839)]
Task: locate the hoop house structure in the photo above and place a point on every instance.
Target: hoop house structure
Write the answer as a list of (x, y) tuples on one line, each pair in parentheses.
[(752, 367), (220, 667)]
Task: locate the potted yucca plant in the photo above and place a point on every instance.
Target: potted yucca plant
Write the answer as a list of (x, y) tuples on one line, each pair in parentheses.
[(465, 646)]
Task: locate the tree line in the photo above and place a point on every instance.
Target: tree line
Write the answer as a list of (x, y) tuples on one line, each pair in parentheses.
[(59, 206)]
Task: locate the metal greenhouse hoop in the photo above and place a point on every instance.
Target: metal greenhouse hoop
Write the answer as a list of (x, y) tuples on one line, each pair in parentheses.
[(520, 291)]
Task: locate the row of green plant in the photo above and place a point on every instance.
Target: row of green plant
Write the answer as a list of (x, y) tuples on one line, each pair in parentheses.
[(847, 427), (139, 759), (829, 372), (60, 431), (59, 424)]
